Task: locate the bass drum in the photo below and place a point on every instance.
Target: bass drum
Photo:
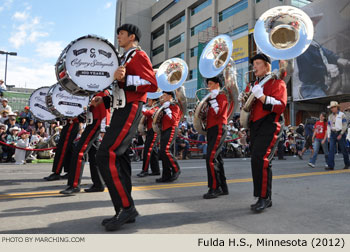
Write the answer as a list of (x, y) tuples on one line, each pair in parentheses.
[(87, 65), (38, 107), (64, 104)]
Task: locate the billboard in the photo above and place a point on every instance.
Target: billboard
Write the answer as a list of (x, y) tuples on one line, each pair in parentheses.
[(324, 68)]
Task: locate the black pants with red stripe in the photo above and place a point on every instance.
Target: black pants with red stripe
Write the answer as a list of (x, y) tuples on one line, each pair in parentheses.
[(64, 149), (112, 160), (264, 135), (215, 165), (90, 134), (169, 162), (94, 171), (150, 155)]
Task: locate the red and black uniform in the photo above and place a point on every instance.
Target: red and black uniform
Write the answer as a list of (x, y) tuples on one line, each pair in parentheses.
[(265, 126), (112, 158), (64, 149), (168, 135), (216, 134), (86, 141), (150, 155)]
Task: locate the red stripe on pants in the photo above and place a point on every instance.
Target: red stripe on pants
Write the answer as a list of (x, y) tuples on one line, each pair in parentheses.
[(64, 148), (112, 156), (81, 153), (266, 160), (212, 155), (149, 152), (167, 149)]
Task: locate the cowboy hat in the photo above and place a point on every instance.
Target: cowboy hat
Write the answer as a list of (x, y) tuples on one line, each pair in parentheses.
[(333, 104), (23, 132), (3, 126), (14, 128)]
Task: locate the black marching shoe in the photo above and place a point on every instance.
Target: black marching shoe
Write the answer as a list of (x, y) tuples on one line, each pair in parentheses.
[(121, 218), (175, 176), (161, 180), (65, 176), (105, 221), (94, 189), (224, 189), (142, 174), (261, 205), (154, 174), (70, 190), (329, 168), (212, 193), (346, 167), (53, 177)]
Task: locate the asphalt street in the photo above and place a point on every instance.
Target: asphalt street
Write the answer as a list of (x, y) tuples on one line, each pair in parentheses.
[(305, 200)]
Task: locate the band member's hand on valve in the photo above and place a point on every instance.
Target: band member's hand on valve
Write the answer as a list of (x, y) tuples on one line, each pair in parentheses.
[(166, 104), (214, 104), (119, 74), (343, 62), (96, 101), (257, 91), (333, 70)]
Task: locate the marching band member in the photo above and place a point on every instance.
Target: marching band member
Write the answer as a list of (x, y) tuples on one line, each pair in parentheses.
[(217, 130), (170, 121), (150, 156), (136, 78), (64, 148), (264, 128), (86, 141)]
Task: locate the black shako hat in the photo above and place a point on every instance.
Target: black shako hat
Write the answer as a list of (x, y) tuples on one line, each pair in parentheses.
[(217, 79), (131, 29), (262, 57), (169, 93)]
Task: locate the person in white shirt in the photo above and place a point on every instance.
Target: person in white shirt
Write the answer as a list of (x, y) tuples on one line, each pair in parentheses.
[(4, 105), (337, 130)]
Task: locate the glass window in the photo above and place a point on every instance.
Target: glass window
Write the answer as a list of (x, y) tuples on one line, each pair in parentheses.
[(234, 9), (200, 7), (238, 30), (177, 21), (157, 66), (158, 33), (200, 27), (180, 55), (257, 1), (300, 3), (157, 50), (176, 40), (194, 51), (192, 74), (165, 9)]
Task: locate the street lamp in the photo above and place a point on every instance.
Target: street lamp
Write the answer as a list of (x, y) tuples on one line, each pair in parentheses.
[(7, 53)]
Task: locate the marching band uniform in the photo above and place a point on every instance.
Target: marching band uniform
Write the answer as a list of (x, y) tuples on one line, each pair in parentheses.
[(112, 158), (170, 121), (150, 156), (265, 125), (64, 148), (86, 141), (216, 134)]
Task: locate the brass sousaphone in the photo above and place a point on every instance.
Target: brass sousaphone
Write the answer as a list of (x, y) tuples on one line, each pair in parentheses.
[(214, 60), (283, 33), (171, 76)]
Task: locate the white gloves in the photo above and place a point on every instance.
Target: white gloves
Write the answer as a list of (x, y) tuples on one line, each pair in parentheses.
[(144, 109), (240, 97), (257, 91), (168, 112), (166, 104), (214, 104), (332, 70), (214, 93), (343, 62)]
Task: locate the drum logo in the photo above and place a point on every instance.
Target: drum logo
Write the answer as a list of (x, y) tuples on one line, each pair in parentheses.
[(93, 86)]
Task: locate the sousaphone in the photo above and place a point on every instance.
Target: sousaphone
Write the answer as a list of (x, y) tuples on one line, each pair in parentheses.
[(283, 33)]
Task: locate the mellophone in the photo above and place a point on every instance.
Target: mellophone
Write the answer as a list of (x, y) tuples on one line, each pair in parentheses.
[(85, 67)]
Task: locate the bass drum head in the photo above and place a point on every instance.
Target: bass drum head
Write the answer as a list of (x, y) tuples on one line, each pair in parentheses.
[(90, 63), (65, 104), (38, 107)]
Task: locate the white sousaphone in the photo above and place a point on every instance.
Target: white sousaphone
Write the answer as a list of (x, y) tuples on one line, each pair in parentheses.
[(171, 76), (214, 60), (283, 33)]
